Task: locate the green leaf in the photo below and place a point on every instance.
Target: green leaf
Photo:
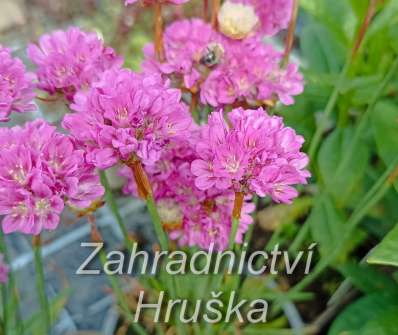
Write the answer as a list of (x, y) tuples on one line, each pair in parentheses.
[(393, 36), (344, 186), (385, 324), (371, 307), (320, 49), (385, 130), (386, 252), (368, 279), (326, 224)]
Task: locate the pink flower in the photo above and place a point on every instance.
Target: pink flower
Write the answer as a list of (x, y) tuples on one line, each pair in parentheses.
[(4, 269), (151, 2), (186, 44), (40, 171), (125, 114), (226, 71), (71, 60), (192, 216), (253, 153), (274, 15), (251, 73), (16, 86)]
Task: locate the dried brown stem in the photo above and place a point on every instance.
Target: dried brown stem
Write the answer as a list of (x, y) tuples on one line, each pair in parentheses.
[(36, 241), (143, 185), (364, 27), (238, 204), (291, 33), (206, 10), (214, 14), (95, 234), (159, 49), (193, 108)]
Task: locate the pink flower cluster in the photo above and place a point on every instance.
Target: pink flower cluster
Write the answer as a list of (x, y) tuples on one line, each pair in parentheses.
[(251, 153), (226, 71), (192, 216), (150, 2), (40, 170), (71, 60), (274, 15), (16, 86), (125, 114), (4, 269)]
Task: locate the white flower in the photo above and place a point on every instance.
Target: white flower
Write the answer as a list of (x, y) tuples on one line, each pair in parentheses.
[(237, 21)]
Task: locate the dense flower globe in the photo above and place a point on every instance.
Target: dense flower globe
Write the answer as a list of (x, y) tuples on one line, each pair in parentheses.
[(186, 44), (16, 86), (274, 15), (4, 269), (71, 60), (251, 153), (225, 71), (40, 171), (251, 73), (126, 115), (192, 216)]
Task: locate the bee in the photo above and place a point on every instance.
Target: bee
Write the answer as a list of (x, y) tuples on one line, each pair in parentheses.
[(212, 55)]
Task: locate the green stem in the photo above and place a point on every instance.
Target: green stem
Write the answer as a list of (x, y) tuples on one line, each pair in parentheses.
[(364, 120), (11, 308), (232, 236), (111, 202), (249, 232), (120, 297), (40, 283), (377, 192), (328, 111), (164, 244), (300, 237), (333, 98), (4, 287)]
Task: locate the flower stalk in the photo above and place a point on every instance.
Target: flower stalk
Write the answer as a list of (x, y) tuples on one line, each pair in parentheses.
[(364, 27), (40, 283), (194, 106), (110, 200), (290, 34), (145, 192), (206, 10), (236, 213), (316, 139), (159, 49), (216, 4), (120, 295)]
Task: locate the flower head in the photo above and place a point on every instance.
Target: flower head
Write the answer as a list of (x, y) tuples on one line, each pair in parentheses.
[(16, 86), (192, 216), (274, 15), (226, 71), (40, 170), (125, 115), (237, 20), (71, 60), (252, 153)]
